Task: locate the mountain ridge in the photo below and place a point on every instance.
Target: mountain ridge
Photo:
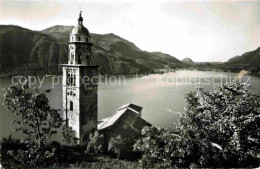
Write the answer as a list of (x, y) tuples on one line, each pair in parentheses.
[(24, 51), (188, 61), (249, 59)]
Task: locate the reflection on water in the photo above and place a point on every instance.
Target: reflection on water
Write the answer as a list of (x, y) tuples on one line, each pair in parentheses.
[(162, 96)]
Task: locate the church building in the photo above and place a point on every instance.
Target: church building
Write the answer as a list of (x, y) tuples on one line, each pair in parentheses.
[(126, 122)]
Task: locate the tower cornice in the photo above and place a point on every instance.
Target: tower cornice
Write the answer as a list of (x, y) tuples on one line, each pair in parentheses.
[(90, 44), (78, 65)]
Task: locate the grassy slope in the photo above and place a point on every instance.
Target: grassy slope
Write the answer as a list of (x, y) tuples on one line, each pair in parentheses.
[(107, 162)]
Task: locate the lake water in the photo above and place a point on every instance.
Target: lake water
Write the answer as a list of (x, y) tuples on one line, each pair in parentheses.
[(162, 96)]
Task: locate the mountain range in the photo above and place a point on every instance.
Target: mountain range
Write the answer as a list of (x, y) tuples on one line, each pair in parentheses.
[(248, 59), (24, 51)]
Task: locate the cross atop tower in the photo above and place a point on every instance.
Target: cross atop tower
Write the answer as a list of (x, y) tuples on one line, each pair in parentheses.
[(80, 20)]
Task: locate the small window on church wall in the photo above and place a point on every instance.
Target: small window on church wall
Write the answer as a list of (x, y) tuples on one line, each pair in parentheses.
[(71, 105), (72, 38), (79, 38)]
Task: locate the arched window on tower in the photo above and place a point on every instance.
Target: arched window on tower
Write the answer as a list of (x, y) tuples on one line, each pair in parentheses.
[(71, 105), (72, 58), (79, 61)]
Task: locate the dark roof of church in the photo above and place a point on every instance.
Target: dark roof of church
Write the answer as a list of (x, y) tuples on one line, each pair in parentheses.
[(125, 109), (140, 123)]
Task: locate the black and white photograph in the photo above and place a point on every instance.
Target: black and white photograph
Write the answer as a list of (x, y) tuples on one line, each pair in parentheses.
[(129, 84)]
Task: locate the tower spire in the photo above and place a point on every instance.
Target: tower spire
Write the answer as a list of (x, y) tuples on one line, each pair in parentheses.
[(80, 20)]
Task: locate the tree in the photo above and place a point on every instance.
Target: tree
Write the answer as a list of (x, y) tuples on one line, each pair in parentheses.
[(219, 128), (223, 127), (36, 120)]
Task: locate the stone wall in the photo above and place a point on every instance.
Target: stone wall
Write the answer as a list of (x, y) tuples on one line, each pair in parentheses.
[(84, 97), (71, 94)]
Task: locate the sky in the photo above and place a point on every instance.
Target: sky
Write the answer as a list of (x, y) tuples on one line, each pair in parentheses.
[(196, 29)]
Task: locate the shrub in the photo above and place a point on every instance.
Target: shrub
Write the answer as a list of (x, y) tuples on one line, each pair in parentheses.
[(64, 155), (96, 143), (11, 149), (158, 147), (68, 135), (116, 144), (7, 144), (121, 146)]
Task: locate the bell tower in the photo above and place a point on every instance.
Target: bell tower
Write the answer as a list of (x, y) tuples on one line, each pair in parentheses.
[(79, 83)]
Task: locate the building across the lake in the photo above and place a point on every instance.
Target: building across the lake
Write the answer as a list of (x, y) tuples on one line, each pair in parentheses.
[(80, 93)]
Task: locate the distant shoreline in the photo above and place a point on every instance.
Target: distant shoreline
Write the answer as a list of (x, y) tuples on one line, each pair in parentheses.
[(7, 75)]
